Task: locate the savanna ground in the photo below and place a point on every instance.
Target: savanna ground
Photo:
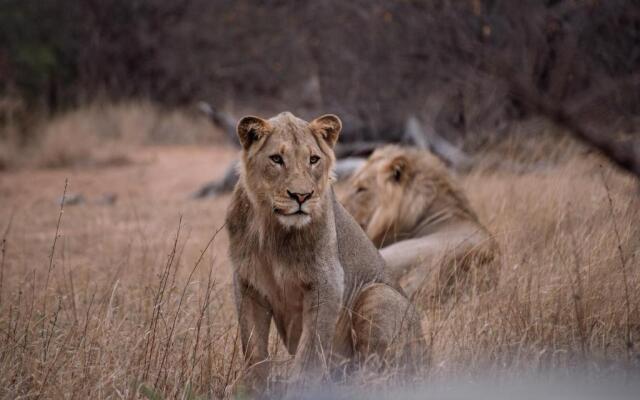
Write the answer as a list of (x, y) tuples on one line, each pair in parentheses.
[(128, 295)]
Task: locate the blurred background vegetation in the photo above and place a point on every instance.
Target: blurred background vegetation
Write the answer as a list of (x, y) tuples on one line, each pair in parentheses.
[(469, 68)]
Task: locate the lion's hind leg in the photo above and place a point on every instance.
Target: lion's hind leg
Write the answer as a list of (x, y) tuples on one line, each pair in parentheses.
[(387, 330)]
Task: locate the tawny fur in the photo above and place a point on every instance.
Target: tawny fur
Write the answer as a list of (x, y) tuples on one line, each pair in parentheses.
[(431, 239), (315, 273)]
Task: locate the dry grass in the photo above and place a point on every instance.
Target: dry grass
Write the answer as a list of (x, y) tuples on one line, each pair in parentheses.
[(134, 300)]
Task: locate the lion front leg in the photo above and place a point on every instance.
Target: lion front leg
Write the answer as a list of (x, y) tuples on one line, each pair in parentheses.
[(254, 318), (322, 304)]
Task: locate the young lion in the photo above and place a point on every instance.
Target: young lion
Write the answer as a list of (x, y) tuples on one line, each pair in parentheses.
[(300, 259), (431, 239)]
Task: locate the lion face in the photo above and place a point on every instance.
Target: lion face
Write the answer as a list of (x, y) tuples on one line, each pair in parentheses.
[(362, 197), (287, 164), (392, 192)]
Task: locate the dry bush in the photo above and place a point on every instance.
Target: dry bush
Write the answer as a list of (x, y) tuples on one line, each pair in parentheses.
[(11, 110), (106, 134), (126, 302), (7, 154)]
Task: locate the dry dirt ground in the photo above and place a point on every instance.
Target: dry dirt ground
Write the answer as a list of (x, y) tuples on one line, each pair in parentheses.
[(152, 192), (129, 299)]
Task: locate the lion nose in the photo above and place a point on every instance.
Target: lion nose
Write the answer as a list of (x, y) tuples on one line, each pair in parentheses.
[(300, 197)]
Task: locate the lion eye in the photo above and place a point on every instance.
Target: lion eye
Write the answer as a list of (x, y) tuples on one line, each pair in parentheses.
[(360, 189), (276, 158), (314, 159)]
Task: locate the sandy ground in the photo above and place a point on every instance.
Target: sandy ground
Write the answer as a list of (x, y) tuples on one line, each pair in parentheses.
[(151, 194)]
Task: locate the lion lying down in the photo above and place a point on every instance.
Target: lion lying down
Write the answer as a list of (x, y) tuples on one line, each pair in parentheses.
[(431, 239), (301, 260)]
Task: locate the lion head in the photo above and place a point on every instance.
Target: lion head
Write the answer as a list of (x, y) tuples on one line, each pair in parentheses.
[(401, 192), (286, 165)]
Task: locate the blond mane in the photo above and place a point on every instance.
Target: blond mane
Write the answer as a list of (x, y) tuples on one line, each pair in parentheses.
[(414, 210)]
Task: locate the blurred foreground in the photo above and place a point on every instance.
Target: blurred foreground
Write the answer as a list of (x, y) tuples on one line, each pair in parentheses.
[(530, 389)]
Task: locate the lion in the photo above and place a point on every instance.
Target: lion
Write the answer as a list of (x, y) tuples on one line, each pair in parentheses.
[(301, 260), (414, 211)]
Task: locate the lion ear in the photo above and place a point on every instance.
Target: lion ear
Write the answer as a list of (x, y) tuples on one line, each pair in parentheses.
[(329, 127), (251, 129), (398, 169)]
